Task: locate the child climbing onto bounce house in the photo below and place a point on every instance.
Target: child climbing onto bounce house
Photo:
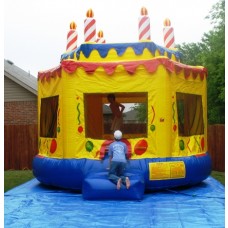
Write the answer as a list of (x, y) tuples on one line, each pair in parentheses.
[(118, 160), (117, 110)]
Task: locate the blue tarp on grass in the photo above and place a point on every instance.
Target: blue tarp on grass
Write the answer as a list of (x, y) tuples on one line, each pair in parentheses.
[(35, 205)]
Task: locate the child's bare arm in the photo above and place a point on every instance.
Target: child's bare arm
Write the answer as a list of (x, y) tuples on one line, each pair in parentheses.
[(122, 107)]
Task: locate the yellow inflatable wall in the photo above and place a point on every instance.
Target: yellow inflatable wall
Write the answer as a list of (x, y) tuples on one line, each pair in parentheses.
[(75, 92)]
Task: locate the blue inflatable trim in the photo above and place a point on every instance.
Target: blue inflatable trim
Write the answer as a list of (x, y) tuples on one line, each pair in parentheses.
[(103, 50), (74, 174)]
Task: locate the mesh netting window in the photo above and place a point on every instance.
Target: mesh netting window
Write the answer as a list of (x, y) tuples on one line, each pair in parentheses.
[(100, 121), (48, 117), (190, 114)]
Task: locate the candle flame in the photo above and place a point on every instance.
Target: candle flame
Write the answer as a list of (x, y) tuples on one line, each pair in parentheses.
[(73, 25), (100, 34), (144, 11), (89, 13), (167, 22)]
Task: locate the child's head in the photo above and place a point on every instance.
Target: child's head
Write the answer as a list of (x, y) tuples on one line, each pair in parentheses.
[(118, 135), (111, 97)]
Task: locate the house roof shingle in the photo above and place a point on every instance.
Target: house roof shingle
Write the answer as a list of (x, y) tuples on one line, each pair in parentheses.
[(20, 76)]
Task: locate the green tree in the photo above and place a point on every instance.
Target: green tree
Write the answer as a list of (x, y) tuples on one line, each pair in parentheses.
[(215, 63), (210, 52), (192, 53), (141, 111)]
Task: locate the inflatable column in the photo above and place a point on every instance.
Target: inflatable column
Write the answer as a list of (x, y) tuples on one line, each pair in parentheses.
[(144, 25), (168, 33), (72, 37), (90, 27), (100, 38)]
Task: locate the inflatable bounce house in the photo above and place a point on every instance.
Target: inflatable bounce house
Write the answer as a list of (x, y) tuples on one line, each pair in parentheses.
[(167, 146)]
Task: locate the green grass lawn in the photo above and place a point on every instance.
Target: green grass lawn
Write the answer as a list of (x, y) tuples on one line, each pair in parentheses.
[(220, 176), (13, 178)]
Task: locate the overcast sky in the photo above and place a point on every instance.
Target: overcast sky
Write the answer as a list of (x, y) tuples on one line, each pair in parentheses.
[(35, 32)]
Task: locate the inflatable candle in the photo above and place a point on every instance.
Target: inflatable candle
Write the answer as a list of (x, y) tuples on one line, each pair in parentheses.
[(100, 38), (72, 37), (90, 27), (144, 25), (168, 34)]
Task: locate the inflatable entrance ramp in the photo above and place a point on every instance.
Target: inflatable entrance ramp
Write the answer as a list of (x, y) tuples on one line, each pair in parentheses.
[(97, 186)]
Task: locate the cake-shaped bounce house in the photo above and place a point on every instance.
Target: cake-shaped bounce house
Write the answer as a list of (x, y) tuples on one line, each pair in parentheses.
[(166, 139)]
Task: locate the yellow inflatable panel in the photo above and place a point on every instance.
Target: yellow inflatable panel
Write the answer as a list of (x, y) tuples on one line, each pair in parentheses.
[(166, 170)]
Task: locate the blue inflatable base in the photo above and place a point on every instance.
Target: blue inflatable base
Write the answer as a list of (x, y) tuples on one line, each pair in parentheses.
[(71, 173), (36, 205)]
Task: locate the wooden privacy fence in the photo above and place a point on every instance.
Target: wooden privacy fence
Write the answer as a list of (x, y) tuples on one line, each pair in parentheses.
[(21, 145), (216, 146)]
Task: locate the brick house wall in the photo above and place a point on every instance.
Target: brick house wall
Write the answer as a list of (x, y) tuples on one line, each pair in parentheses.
[(20, 112)]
